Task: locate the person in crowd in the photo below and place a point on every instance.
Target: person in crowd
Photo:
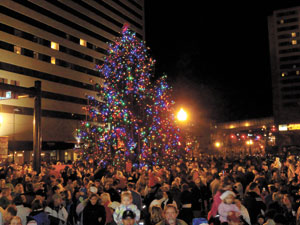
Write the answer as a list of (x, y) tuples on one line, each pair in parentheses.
[(105, 201), (22, 211), (186, 199), (128, 218), (94, 213), (126, 203), (156, 215), (170, 216), (253, 202), (228, 207), (136, 197), (16, 221), (57, 213), (37, 215)]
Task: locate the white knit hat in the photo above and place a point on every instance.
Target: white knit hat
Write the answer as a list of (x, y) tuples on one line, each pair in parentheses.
[(226, 194)]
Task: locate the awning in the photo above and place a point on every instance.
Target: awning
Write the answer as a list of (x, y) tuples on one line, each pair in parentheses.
[(46, 145)]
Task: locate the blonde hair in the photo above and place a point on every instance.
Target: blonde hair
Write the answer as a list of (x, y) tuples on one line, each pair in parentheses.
[(105, 197), (126, 194)]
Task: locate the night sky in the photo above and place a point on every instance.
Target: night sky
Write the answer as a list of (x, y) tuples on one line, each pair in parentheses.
[(216, 53)]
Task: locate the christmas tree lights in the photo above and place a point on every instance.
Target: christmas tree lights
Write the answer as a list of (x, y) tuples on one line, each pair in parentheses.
[(134, 119)]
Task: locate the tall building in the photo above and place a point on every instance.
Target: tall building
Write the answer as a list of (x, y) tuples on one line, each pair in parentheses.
[(59, 43), (284, 39)]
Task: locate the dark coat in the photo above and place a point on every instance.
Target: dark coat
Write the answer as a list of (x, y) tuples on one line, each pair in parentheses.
[(92, 213), (254, 204)]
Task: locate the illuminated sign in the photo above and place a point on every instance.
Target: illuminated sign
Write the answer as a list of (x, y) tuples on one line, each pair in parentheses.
[(286, 127), (294, 126), (283, 127)]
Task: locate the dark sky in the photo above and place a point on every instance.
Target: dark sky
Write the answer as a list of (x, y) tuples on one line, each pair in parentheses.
[(224, 47)]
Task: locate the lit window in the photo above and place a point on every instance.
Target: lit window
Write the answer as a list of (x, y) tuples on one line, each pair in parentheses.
[(281, 21), (17, 50), (283, 74), (35, 55), (83, 42), (293, 34), (294, 42), (53, 61), (54, 45), (297, 72)]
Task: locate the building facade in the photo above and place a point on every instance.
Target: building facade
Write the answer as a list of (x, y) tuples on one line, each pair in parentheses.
[(255, 136), (59, 43), (284, 39)]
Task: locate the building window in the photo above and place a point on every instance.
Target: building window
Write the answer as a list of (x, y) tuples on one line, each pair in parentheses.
[(54, 45), (283, 74), (293, 34), (53, 60), (35, 55), (83, 42), (17, 49), (297, 72), (294, 42)]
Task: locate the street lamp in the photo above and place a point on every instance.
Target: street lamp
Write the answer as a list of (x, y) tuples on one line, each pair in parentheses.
[(182, 115), (218, 144), (249, 143)]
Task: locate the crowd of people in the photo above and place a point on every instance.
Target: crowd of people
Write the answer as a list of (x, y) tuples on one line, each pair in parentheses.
[(245, 190)]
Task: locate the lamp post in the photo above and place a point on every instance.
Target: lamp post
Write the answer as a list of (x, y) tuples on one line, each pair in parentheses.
[(15, 110), (182, 118), (249, 143)]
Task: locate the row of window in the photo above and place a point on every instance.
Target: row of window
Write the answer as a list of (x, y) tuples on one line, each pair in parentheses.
[(285, 21), (292, 88), (47, 58), (293, 80), (47, 43), (290, 66), (128, 9), (286, 28), (44, 76), (107, 6), (46, 28), (291, 104), (291, 35), (288, 43), (289, 58), (291, 73), (293, 96), (290, 50), (287, 13), (62, 20), (45, 113)]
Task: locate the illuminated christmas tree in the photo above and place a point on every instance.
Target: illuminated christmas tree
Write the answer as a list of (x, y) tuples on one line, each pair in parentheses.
[(131, 119)]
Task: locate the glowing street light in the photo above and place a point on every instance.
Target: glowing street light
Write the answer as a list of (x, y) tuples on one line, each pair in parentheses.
[(182, 115), (218, 144)]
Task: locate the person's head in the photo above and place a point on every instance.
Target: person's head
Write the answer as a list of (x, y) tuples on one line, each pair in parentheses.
[(260, 219), (57, 200), (228, 197), (19, 188), (36, 205), (253, 187), (130, 186), (16, 221), (156, 214), (18, 200), (105, 197), (93, 199), (170, 214), (126, 198), (4, 202), (128, 217), (9, 213)]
